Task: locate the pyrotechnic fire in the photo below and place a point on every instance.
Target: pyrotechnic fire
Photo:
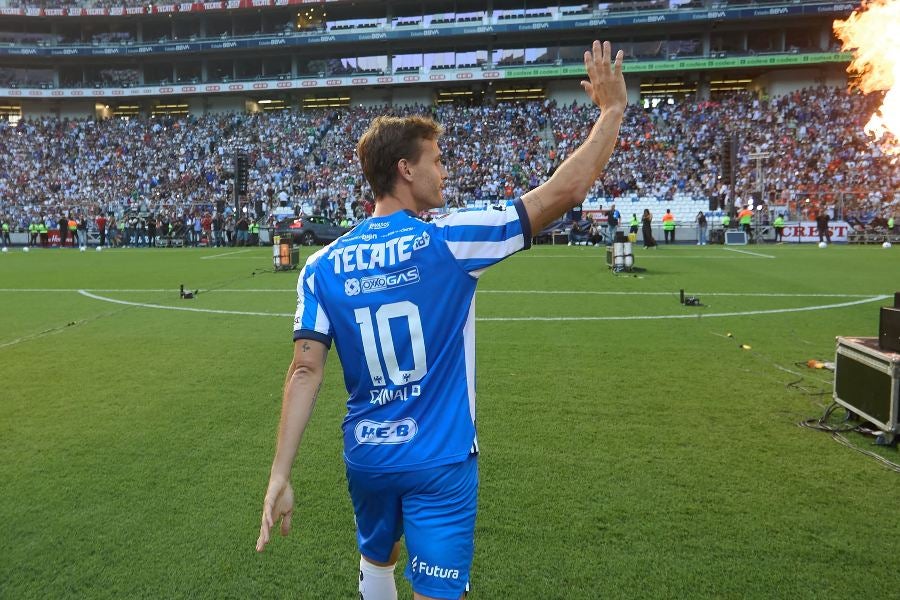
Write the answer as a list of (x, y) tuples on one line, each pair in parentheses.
[(872, 33)]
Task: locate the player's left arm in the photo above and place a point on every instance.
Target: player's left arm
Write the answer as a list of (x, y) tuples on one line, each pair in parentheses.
[(301, 388)]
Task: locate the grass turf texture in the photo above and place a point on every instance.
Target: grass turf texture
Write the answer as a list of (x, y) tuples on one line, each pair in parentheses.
[(626, 458)]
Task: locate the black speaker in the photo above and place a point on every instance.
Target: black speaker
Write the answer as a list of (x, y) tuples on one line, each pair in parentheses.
[(241, 172), (889, 329), (220, 206), (713, 203)]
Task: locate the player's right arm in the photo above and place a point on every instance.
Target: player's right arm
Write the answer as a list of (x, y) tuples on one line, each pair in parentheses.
[(573, 179), (301, 387)]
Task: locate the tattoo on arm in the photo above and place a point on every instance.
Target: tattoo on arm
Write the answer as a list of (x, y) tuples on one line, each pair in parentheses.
[(306, 347), (538, 202)]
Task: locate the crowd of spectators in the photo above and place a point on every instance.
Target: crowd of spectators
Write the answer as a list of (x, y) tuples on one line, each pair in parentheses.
[(811, 142), (177, 167), (622, 6)]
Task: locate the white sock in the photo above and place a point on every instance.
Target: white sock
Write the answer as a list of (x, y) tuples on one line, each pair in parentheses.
[(376, 583)]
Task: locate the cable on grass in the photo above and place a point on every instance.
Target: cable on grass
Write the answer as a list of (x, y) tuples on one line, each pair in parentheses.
[(61, 328), (58, 328), (222, 284), (822, 424), (795, 385), (791, 385)]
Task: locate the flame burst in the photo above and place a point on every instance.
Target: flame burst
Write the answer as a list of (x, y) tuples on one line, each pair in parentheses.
[(872, 33)]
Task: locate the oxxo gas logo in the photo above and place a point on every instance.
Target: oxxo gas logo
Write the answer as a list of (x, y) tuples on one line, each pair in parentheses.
[(387, 432), (378, 283), (424, 568)]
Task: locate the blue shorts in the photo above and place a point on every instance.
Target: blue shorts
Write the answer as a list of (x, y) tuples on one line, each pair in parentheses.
[(434, 508)]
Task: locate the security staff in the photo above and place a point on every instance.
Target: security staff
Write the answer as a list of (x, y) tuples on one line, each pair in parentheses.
[(633, 224), (668, 220), (4, 229), (745, 218), (43, 230), (778, 224)]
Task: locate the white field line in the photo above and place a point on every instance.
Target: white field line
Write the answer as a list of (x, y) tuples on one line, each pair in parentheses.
[(185, 308), (696, 315), (605, 318), (232, 253), (748, 252), (642, 256), (291, 290), (741, 294)]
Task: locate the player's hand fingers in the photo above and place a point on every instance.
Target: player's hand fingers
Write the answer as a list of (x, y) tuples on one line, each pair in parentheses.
[(590, 66), (620, 57), (286, 523), (260, 542), (264, 527), (263, 538)]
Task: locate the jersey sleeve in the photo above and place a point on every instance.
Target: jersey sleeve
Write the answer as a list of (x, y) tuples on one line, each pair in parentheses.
[(310, 320), (479, 238)]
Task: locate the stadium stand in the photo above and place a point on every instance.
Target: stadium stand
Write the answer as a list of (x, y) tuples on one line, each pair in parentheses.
[(668, 156), (294, 86)]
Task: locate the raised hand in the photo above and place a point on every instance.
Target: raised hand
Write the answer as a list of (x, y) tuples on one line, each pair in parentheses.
[(605, 85)]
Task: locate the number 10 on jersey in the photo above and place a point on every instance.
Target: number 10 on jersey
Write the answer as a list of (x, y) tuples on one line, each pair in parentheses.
[(380, 351)]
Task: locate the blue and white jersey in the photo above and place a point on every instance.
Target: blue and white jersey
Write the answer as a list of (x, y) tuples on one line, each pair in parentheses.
[(397, 296)]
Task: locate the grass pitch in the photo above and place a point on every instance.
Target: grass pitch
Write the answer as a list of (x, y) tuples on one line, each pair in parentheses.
[(631, 448)]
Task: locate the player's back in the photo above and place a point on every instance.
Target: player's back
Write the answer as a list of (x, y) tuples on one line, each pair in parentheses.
[(397, 296)]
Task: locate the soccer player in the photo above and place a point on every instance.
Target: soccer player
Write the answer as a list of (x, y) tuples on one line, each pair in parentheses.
[(396, 295)]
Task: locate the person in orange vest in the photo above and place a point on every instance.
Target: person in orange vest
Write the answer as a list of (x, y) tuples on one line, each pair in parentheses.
[(745, 218), (668, 220), (73, 230)]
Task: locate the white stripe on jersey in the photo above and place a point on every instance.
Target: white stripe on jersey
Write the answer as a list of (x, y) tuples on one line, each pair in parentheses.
[(498, 250), (323, 325), (490, 217), (301, 300), (469, 352)]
